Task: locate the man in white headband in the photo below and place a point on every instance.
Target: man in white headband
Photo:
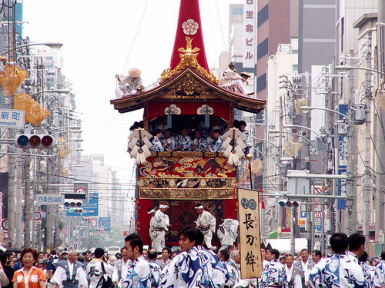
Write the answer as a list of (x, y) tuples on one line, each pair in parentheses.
[(206, 222), (159, 226)]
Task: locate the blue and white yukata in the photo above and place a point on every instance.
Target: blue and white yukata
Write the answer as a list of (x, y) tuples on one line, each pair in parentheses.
[(381, 270), (201, 145), (232, 275), (156, 145), (338, 271), (274, 275), (187, 269), (216, 145), (168, 144), (183, 143), (216, 271), (138, 274), (155, 273), (372, 276)]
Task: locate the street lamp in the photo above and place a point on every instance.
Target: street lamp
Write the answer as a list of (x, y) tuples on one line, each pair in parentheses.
[(291, 133), (344, 68), (49, 44), (299, 126), (349, 168), (310, 108)]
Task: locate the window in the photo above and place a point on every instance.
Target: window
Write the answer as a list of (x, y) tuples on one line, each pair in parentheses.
[(262, 48), (263, 15), (261, 83)]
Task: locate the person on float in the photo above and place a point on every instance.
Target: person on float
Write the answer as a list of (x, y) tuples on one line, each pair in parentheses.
[(129, 85), (232, 78), (206, 222)]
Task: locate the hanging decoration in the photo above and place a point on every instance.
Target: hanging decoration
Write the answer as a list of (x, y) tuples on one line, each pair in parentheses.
[(233, 143), (34, 112), (292, 147), (380, 98), (298, 103), (11, 78), (172, 109), (63, 149), (139, 145), (207, 111)]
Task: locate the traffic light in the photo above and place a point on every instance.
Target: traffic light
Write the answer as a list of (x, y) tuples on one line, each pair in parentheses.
[(288, 203), (74, 206), (35, 141)]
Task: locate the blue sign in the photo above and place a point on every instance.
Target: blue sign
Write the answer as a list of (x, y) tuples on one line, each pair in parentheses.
[(105, 223), (91, 208)]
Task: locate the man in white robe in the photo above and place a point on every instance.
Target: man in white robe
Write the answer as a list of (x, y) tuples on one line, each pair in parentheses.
[(69, 273), (206, 222), (158, 227), (227, 233)]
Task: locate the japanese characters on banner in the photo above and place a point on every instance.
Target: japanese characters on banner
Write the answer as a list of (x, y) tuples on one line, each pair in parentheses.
[(250, 250), (249, 33)]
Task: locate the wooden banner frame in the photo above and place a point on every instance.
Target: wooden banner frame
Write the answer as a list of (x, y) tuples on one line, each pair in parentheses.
[(249, 234)]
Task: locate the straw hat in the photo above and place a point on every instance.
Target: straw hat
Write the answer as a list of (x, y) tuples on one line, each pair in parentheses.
[(133, 72), (245, 74)]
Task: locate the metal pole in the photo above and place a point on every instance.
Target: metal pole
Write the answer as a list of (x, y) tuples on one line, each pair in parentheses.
[(367, 179), (292, 230), (379, 132), (11, 192), (27, 202)]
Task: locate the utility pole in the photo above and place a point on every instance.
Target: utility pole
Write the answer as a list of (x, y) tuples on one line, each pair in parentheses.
[(367, 181), (27, 202), (379, 132), (11, 191)]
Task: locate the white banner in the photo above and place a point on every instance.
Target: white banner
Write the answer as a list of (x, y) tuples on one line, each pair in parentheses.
[(249, 33), (11, 118)]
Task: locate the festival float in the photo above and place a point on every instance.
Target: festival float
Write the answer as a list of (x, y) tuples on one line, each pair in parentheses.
[(187, 95)]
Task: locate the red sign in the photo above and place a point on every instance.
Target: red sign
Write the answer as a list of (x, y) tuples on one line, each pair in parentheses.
[(81, 190)]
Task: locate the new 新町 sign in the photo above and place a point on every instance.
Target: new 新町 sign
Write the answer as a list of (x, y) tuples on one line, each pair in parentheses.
[(11, 118)]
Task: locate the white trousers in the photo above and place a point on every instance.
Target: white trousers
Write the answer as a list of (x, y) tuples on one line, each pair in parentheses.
[(158, 242), (207, 238)]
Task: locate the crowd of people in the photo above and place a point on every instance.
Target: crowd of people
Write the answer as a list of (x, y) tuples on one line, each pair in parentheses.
[(194, 140), (193, 265), (348, 266)]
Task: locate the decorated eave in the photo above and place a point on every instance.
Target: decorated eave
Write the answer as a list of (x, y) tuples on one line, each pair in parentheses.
[(188, 79), (188, 85)]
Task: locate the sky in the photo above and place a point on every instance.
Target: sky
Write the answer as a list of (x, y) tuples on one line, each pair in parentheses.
[(104, 38)]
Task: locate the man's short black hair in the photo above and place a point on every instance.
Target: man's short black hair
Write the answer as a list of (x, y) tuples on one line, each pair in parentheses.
[(275, 252), (317, 253), (339, 242), (135, 240), (364, 257), (231, 64), (192, 234), (355, 241), (166, 248), (242, 123), (225, 254), (99, 252), (152, 254)]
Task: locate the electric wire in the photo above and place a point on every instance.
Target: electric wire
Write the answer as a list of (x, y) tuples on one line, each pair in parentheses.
[(135, 36)]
